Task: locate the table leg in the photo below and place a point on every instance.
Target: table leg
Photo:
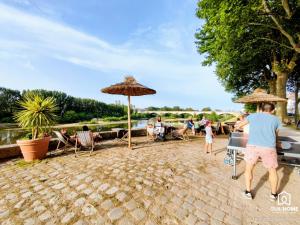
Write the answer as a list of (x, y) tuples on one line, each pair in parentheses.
[(234, 177)]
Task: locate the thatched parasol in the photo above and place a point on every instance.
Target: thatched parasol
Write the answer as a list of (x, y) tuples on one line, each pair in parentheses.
[(130, 88), (260, 96)]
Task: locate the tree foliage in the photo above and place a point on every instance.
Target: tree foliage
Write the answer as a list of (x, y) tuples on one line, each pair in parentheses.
[(69, 108), (250, 42)]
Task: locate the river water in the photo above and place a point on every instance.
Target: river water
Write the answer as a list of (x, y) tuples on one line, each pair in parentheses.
[(10, 136)]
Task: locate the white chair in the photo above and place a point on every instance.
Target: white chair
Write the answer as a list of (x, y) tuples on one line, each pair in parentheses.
[(62, 139), (84, 139)]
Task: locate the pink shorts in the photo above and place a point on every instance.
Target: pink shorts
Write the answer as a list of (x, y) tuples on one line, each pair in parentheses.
[(267, 155)]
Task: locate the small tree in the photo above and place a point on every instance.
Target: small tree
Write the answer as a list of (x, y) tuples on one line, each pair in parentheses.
[(37, 113)]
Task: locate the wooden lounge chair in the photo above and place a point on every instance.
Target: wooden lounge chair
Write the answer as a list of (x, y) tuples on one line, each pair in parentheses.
[(84, 139), (150, 133), (64, 140), (181, 134)]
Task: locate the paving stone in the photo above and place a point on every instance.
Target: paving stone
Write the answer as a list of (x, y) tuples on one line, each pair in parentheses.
[(125, 221), (81, 176), (121, 196), (103, 187), (130, 205), (199, 204), (149, 222), (27, 194), (19, 204), (39, 208), (219, 215), (59, 186), (89, 210), (62, 211), (191, 219), (115, 214), (72, 195), (138, 214), (201, 215), (80, 222), (45, 216), (4, 213), (79, 202), (96, 197), (107, 204), (68, 217), (30, 221), (81, 187), (96, 183), (112, 190)]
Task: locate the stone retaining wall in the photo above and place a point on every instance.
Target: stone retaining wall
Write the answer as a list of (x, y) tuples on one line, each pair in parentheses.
[(13, 150)]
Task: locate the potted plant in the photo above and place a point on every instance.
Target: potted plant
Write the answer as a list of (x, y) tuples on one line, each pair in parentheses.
[(37, 114)]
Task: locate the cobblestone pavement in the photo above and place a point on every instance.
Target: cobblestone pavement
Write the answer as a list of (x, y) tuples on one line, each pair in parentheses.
[(173, 182)]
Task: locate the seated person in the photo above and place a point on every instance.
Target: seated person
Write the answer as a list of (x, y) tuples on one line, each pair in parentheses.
[(219, 128), (197, 127), (159, 129), (239, 120), (64, 133), (202, 124), (95, 136), (191, 125)]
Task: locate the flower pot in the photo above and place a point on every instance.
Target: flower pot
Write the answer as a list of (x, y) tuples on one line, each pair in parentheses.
[(34, 149)]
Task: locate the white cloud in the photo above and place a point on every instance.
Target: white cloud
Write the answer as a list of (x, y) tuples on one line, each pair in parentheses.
[(170, 65), (44, 38)]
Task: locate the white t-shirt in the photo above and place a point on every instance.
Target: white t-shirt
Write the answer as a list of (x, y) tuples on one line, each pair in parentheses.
[(208, 131)]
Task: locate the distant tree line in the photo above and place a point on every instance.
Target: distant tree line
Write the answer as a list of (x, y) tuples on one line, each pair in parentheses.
[(70, 109)]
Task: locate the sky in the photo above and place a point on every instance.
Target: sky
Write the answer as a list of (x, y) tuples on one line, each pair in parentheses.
[(79, 47)]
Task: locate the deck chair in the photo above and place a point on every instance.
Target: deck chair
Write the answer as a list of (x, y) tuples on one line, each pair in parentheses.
[(62, 139), (84, 139), (124, 137), (181, 134), (150, 133)]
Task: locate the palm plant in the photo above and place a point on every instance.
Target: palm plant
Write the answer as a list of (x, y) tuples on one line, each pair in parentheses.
[(37, 113)]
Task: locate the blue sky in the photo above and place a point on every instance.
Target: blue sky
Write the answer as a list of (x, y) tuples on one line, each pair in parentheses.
[(80, 47)]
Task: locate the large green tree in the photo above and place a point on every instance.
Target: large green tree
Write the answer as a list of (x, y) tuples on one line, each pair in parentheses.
[(249, 51)]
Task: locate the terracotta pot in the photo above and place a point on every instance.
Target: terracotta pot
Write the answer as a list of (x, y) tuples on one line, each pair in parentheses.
[(34, 149)]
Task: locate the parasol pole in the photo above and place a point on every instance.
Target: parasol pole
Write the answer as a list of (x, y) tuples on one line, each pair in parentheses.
[(129, 123)]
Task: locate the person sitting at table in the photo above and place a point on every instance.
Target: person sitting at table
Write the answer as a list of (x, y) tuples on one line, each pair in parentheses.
[(159, 129), (262, 144), (191, 125)]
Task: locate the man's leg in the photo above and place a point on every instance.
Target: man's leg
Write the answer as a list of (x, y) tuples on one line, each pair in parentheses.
[(249, 176), (273, 178)]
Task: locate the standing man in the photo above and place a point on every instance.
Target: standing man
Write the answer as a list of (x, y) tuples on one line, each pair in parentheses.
[(262, 144)]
